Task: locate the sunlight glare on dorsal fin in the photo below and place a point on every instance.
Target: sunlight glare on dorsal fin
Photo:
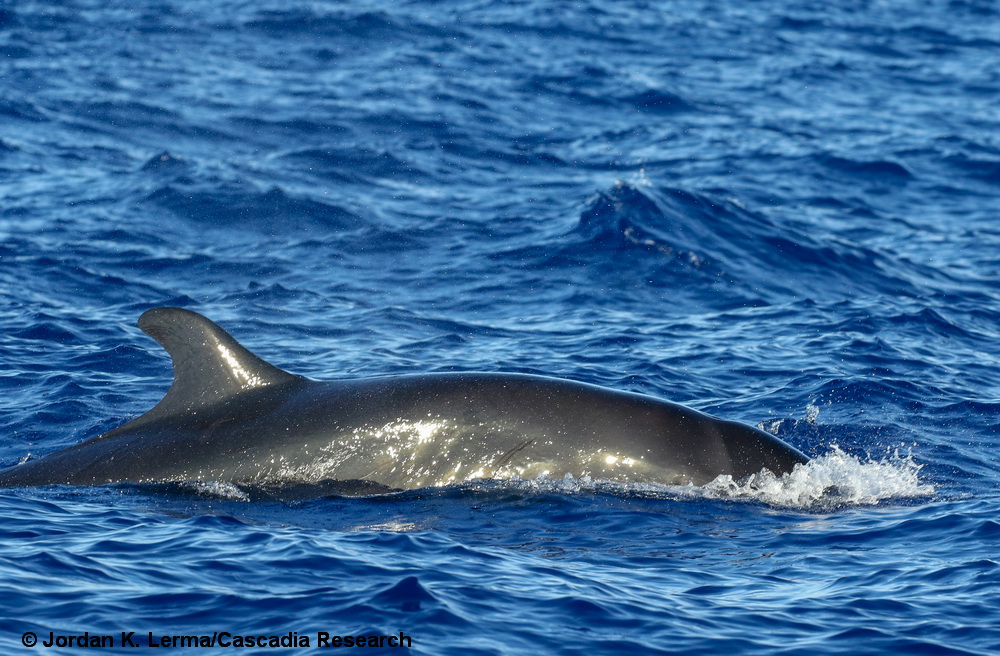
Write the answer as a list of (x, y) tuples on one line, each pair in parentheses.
[(209, 365)]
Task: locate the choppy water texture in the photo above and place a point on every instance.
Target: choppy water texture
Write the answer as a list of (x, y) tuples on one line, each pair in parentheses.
[(779, 212)]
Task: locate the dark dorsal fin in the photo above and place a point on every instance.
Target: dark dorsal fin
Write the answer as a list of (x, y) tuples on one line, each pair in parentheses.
[(209, 365)]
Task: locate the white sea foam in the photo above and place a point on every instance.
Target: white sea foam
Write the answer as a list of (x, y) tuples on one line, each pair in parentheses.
[(833, 479)]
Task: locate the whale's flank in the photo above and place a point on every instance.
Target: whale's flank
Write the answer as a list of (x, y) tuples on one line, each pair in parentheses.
[(231, 416)]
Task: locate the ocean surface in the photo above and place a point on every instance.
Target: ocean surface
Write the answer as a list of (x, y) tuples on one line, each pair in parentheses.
[(782, 212)]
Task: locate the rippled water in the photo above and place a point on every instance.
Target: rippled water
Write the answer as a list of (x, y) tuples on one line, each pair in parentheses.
[(783, 213)]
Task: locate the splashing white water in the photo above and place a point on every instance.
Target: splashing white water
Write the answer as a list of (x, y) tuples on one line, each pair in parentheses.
[(833, 479), (216, 489)]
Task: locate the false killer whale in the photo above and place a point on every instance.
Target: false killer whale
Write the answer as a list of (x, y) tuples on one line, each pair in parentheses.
[(230, 416)]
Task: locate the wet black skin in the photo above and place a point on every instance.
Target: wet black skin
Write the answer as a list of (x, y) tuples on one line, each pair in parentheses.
[(230, 416)]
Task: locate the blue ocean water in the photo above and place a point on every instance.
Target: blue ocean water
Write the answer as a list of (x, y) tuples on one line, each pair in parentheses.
[(781, 212)]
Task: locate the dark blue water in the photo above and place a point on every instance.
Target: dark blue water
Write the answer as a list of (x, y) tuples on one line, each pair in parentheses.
[(780, 212)]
